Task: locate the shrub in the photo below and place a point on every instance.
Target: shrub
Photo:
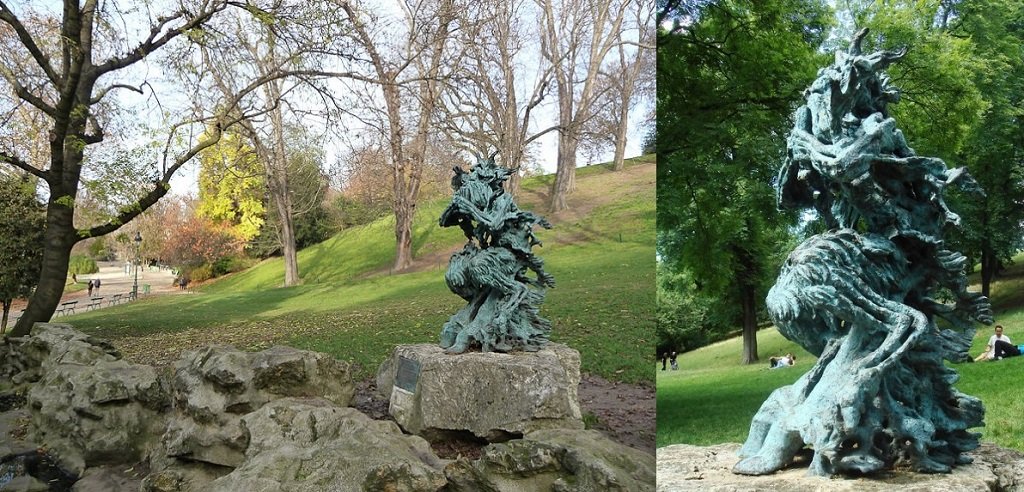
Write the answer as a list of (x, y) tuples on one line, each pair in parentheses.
[(80, 264), (200, 273), (229, 264)]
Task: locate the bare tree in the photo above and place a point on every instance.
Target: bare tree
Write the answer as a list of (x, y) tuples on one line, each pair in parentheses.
[(486, 105), (632, 74), (410, 76), (576, 37), (68, 78), (297, 40)]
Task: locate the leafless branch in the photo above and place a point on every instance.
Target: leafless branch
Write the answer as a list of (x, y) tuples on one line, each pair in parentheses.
[(103, 92)]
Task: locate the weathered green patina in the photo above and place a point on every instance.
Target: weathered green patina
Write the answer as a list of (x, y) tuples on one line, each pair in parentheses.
[(862, 296), (491, 271)]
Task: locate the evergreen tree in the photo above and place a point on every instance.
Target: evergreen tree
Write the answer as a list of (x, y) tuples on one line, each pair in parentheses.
[(22, 220)]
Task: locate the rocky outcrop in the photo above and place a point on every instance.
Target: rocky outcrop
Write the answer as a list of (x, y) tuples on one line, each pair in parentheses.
[(313, 445), (225, 420), (213, 387), (685, 467), (92, 408), (491, 395), (89, 406), (556, 459)]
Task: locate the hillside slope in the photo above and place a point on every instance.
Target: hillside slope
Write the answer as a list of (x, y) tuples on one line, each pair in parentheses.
[(606, 206)]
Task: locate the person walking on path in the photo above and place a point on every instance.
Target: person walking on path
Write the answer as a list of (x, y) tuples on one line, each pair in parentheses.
[(97, 286), (91, 284)]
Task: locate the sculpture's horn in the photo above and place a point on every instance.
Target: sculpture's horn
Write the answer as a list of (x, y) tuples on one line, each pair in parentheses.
[(855, 43), (891, 56)]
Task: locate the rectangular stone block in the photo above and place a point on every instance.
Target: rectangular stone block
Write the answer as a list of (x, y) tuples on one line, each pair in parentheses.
[(489, 394)]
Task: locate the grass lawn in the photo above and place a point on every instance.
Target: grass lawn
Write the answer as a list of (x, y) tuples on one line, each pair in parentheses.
[(603, 304), (70, 286), (712, 397)]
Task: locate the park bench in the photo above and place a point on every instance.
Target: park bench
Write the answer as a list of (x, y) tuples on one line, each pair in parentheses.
[(94, 303), (66, 308), (115, 299)]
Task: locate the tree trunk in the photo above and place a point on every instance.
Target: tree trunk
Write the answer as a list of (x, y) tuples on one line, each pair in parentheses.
[(3, 318), (748, 298), (565, 175), (54, 272), (618, 163), (286, 229), (989, 264), (66, 155), (988, 261), (403, 235), (282, 196), (288, 248), (514, 184)]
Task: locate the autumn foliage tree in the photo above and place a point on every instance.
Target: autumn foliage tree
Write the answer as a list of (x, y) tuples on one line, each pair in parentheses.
[(197, 241), (232, 187)]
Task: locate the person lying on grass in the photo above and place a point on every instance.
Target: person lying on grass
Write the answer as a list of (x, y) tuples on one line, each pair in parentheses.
[(784, 361)]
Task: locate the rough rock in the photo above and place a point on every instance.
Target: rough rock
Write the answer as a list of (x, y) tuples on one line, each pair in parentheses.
[(24, 483), (313, 445), (556, 459), (11, 423), (107, 479), (213, 387), (22, 358), (227, 420), (491, 395), (686, 467), (174, 475), (90, 407)]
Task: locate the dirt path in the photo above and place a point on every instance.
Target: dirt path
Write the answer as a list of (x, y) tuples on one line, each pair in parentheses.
[(625, 412)]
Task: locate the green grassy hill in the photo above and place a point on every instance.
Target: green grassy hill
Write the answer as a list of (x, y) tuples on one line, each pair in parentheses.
[(605, 210), (712, 397), (601, 253)]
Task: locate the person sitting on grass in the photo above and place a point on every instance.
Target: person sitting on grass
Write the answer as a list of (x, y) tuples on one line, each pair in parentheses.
[(1003, 349), (785, 361), (989, 353)]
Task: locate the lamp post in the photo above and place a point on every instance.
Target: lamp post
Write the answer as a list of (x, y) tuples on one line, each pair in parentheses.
[(138, 245)]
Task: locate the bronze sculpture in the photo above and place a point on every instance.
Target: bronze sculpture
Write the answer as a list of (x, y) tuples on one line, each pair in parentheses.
[(491, 271), (863, 296)]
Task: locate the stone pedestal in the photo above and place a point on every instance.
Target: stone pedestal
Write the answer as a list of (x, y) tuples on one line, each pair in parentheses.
[(491, 395)]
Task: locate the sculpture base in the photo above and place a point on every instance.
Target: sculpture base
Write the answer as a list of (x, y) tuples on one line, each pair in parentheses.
[(686, 467), (490, 395)]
